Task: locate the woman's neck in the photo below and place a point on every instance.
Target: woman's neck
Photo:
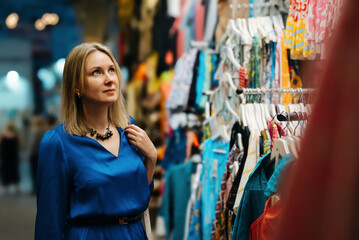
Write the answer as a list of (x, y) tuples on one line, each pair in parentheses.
[(96, 117)]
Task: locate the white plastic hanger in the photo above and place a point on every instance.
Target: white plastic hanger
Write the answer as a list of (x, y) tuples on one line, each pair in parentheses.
[(228, 78), (224, 37), (246, 35), (243, 115), (230, 57), (230, 109), (279, 150), (221, 133), (251, 28)]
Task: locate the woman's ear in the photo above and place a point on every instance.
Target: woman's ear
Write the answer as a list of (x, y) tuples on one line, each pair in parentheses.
[(77, 91)]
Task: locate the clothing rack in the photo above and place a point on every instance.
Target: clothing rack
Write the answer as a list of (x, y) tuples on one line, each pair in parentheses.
[(293, 116), (274, 90), (249, 91), (251, 5)]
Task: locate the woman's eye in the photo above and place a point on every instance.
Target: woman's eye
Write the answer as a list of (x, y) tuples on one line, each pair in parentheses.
[(96, 72), (111, 70)]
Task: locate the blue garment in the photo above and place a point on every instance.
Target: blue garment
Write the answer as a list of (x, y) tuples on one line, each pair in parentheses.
[(175, 199), (201, 71), (78, 177), (195, 229), (275, 180), (214, 165), (253, 199), (176, 149), (215, 63)]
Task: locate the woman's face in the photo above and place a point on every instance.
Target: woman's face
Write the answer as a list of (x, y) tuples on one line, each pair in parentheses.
[(101, 81)]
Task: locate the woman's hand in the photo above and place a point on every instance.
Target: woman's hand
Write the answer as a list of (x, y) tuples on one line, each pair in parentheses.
[(139, 138)]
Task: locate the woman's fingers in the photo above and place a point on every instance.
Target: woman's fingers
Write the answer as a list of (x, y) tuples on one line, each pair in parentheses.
[(138, 137)]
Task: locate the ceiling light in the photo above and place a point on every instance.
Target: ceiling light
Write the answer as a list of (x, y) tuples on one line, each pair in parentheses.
[(40, 25), (12, 80), (12, 20), (50, 18)]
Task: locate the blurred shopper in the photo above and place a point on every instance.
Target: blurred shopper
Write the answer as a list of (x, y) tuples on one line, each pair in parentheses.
[(38, 129), (95, 169), (9, 149)]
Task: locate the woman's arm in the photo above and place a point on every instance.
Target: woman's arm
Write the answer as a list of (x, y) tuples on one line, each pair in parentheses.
[(52, 188)]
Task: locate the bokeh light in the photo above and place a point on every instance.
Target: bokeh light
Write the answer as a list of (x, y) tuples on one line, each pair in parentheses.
[(12, 20)]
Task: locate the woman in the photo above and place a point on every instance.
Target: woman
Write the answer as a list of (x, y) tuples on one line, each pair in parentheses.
[(95, 169)]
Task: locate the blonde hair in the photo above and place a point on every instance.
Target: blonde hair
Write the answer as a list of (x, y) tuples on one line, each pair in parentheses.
[(73, 77)]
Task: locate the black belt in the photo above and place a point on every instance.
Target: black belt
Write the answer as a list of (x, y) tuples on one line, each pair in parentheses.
[(98, 221)]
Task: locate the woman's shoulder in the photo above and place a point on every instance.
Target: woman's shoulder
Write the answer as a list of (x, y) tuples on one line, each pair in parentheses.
[(54, 135)]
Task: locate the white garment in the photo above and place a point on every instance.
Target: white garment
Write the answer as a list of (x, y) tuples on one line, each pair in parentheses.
[(251, 161), (174, 8), (211, 21)]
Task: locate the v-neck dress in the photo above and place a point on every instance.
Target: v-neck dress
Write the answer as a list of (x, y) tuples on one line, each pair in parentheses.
[(79, 178)]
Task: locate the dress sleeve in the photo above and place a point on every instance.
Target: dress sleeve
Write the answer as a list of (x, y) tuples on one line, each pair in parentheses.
[(53, 188)]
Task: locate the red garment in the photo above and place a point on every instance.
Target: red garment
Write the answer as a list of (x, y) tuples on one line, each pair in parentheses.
[(265, 227), (199, 21), (321, 196)]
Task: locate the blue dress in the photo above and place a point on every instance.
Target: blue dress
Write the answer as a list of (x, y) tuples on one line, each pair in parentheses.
[(78, 177)]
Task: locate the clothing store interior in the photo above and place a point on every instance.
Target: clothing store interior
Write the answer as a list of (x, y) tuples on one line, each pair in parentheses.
[(251, 105)]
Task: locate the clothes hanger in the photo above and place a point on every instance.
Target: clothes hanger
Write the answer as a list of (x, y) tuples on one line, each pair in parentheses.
[(230, 109), (246, 35), (223, 38), (279, 150), (251, 28), (228, 78), (230, 56), (244, 115)]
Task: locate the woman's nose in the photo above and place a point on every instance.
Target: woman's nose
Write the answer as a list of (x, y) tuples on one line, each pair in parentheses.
[(109, 78)]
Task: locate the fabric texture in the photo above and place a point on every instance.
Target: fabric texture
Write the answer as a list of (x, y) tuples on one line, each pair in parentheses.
[(253, 200)]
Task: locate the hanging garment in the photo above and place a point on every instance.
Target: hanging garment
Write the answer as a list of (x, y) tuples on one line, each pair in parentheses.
[(246, 140), (218, 227), (253, 200), (249, 165), (266, 226), (214, 165), (276, 181), (175, 199), (193, 89), (192, 200), (255, 62), (181, 85), (175, 153), (195, 231)]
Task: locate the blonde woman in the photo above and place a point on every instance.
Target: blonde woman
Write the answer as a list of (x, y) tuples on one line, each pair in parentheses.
[(95, 169)]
